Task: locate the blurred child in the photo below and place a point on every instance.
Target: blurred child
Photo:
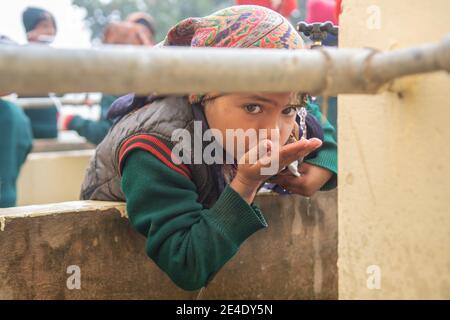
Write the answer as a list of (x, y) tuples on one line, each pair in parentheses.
[(40, 28), (138, 29), (15, 143)]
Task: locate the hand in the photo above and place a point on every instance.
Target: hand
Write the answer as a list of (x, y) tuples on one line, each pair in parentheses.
[(250, 174), (311, 180), (64, 121)]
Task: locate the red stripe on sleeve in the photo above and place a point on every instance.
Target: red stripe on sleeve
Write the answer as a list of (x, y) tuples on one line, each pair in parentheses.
[(156, 153), (155, 141)]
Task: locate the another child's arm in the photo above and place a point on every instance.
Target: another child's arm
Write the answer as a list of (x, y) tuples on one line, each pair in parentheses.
[(93, 130), (319, 172), (327, 154)]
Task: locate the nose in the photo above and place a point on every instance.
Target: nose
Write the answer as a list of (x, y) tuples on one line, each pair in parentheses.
[(271, 128)]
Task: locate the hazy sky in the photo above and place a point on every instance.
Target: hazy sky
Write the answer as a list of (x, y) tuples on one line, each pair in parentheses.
[(71, 29)]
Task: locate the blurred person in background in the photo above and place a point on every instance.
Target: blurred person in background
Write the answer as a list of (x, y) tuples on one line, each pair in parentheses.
[(283, 7), (138, 29), (15, 143), (39, 24), (40, 27), (146, 24)]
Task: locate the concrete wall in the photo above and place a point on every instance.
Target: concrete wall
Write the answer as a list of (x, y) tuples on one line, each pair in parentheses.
[(66, 141), (294, 258), (49, 177), (394, 163)]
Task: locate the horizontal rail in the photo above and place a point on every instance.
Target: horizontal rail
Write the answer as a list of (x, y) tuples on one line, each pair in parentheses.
[(42, 102), (119, 70)]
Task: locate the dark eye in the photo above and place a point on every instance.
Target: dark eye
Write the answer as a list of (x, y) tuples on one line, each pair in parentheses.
[(290, 111), (253, 108)]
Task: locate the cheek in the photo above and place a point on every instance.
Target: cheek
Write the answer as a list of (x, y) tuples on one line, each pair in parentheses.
[(46, 30), (224, 117), (285, 131), (51, 31), (217, 119)]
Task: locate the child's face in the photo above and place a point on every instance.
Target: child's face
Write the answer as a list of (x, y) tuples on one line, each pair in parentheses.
[(251, 111), (43, 32)]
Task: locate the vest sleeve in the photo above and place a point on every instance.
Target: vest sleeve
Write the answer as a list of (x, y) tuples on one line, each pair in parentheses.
[(188, 242)]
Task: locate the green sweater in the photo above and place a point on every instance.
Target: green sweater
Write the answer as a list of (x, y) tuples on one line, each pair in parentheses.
[(43, 122), (188, 242), (16, 140), (185, 240), (94, 131)]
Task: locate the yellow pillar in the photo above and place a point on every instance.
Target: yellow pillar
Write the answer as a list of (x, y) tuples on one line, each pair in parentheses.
[(394, 163)]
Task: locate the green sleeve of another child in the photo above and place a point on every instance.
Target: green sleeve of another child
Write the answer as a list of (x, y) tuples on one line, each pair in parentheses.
[(327, 154), (94, 131)]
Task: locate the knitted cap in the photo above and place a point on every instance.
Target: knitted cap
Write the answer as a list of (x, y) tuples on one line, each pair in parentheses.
[(32, 16), (235, 27)]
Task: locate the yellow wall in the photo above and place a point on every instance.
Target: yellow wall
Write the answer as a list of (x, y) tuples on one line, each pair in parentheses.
[(50, 177), (394, 162)]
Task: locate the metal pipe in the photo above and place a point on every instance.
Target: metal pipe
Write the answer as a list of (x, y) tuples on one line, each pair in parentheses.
[(118, 70), (42, 102)]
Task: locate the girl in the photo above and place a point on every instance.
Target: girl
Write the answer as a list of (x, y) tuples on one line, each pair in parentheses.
[(196, 215)]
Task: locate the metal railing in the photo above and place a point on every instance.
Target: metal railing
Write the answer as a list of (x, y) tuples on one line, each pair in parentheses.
[(42, 102), (117, 70)]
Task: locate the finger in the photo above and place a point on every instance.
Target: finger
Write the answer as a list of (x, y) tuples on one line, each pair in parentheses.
[(253, 156), (297, 150), (278, 160)]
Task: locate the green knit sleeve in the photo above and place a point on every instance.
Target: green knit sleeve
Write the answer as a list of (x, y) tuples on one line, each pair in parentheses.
[(188, 242), (327, 154), (94, 131)]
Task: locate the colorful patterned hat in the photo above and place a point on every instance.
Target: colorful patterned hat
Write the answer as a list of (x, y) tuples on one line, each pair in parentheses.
[(235, 27)]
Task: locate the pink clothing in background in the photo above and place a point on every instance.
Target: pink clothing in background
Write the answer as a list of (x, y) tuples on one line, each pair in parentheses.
[(321, 11), (283, 7)]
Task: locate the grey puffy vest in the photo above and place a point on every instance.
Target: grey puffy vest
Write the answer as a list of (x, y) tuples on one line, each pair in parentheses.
[(159, 118)]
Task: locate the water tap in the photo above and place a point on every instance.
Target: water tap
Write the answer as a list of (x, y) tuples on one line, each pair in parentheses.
[(317, 31)]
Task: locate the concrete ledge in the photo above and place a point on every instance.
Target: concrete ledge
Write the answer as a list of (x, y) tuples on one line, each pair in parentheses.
[(50, 177), (295, 258), (66, 141)]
